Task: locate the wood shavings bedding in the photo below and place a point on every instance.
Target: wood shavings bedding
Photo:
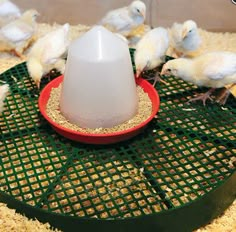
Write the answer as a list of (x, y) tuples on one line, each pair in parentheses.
[(12, 221)]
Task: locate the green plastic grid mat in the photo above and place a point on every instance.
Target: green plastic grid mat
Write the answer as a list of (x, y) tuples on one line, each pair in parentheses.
[(175, 176)]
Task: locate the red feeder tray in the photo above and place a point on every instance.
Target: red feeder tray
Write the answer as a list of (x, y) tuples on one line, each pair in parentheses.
[(99, 138)]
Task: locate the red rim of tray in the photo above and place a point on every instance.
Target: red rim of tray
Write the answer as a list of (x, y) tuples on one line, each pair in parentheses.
[(97, 138)]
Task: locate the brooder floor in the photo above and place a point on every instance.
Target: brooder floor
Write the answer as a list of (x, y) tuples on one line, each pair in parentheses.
[(187, 151)]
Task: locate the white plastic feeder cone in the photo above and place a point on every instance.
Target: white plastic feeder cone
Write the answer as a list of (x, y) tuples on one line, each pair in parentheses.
[(98, 90)]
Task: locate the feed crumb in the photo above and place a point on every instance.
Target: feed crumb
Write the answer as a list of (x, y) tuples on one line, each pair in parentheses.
[(144, 112)]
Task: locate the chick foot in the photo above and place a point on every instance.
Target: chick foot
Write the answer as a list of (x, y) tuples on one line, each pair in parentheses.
[(203, 97), (18, 54), (157, 78), (224, 95)]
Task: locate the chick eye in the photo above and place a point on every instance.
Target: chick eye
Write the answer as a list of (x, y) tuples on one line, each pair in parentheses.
[(190, 31), (138, 10), (169, 70)]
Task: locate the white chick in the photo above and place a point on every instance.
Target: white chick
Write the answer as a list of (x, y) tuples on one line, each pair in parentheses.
[(212, 69), (8, 11), (46, 53), (3, 93), (184, 37), (150, 50), (19, 34), (124, 20)]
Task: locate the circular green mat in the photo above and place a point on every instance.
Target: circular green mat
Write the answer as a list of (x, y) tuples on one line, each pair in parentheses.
[(175, 176)]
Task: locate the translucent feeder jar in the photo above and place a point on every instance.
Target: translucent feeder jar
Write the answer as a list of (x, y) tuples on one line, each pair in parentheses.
[(98, 89)]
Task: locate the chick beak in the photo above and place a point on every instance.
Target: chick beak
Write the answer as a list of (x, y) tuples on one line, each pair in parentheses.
[(138, 73), (143, 14), (184, 33), (37, 84), (163, 72), (37, 14)]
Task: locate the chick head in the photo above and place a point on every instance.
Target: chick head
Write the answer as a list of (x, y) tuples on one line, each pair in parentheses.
[(143, 63), (138, 8), (189, 27), (31, 14), (171, 68)]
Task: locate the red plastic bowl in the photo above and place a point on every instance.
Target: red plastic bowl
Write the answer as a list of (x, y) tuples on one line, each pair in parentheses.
[(98, 138)]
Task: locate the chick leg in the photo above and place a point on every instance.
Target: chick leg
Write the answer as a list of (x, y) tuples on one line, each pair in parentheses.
[(18, 54), (203, 97), (222, 98), (157, 78), (30, 42)]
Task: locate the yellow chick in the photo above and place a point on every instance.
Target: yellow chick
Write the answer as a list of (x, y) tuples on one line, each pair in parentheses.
[(17, 35), (46, 54), (3, 93), (124, 20), (150, 51), (212, 69), (184, 38)]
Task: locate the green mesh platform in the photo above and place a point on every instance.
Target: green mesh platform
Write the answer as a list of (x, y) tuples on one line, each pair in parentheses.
[(175, 176)]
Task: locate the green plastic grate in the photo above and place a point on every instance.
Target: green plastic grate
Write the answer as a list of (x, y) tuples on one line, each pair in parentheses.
[(177, 175)]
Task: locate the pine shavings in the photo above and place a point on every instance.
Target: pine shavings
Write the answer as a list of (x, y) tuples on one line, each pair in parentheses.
[(14, 222)]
